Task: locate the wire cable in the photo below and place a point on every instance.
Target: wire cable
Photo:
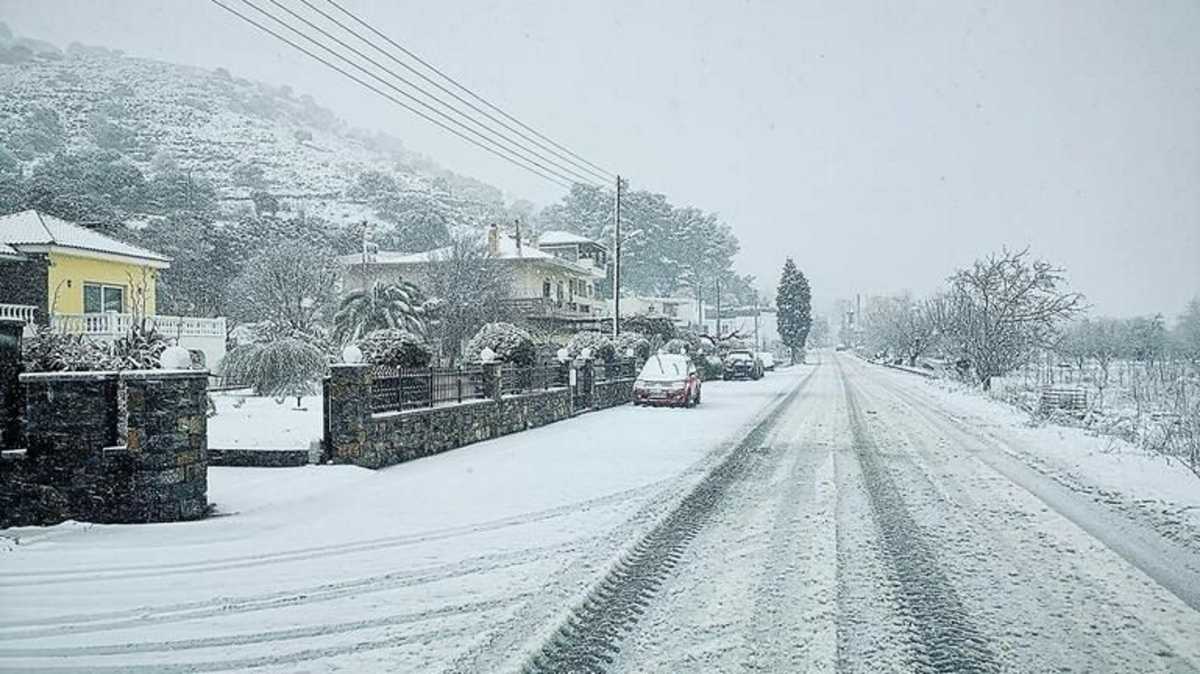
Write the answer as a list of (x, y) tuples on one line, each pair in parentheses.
[(565, 155), (608, 174), (554, 178), (515, 146)]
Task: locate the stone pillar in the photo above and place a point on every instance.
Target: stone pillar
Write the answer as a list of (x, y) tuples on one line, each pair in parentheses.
[(349, 411), (69, 418), (493, 380), (10, 385), (166, 446)]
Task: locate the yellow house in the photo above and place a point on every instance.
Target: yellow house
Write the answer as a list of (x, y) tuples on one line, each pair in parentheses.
[(64, 269), (80, 281)]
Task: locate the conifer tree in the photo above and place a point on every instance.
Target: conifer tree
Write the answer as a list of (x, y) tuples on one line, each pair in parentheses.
[(794, 302)]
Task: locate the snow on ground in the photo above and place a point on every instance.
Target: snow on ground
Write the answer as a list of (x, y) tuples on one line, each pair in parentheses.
[(405, 568), (1109, 469), (245, 421)]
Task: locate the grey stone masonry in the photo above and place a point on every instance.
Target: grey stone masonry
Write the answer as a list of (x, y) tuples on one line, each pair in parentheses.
[(376, 440), (166, 442), (10, 386), (73, 466)]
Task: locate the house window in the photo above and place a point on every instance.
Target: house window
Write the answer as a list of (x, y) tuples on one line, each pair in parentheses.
[(102, 299), (670, 310), (546, 288)]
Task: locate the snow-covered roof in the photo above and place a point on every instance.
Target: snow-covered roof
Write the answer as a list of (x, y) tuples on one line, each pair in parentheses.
[(507, 250), (31, 228), (559, 237), (7, 252)]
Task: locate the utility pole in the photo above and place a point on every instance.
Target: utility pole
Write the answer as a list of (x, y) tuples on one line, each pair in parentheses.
[(616, 328), (718, 308), (756, 349)]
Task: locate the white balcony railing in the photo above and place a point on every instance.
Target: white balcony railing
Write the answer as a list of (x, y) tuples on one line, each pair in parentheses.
[(115, 325), (22, 312)]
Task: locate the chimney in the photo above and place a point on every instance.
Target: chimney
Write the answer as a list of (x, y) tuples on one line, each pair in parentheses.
[(493, 241)]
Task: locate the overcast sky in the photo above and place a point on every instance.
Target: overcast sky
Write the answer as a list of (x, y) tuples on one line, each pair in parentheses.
[(880, 145)]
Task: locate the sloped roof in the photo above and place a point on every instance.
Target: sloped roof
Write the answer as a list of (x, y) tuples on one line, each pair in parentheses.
[(559, 237), (31, 228)]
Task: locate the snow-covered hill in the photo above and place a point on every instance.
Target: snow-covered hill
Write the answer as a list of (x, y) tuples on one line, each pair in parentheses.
[(238, 134)]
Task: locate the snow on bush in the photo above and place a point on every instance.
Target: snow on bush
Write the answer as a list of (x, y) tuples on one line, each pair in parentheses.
[(49, 351), (636, 341), (395, 348), (280, 368), (602, 347), (510, 343)]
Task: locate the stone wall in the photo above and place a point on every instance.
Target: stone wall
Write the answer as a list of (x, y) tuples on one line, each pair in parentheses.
[(73, 466), (611, 393), (358, 436), (261, 458)]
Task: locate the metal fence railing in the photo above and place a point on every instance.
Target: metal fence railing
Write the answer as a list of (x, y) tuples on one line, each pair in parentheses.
[(394, 389), (533, 378), (621, 369)]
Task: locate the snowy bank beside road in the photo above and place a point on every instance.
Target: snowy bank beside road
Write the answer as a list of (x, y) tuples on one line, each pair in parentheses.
[(1163, 493)]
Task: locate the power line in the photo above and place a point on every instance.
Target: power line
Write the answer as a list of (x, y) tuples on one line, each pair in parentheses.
[(513, 145), (555, 178), (562, 153), (418, 59), (409, 96)]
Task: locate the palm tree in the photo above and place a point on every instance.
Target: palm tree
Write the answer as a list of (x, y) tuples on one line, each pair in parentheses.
[(384, 305)]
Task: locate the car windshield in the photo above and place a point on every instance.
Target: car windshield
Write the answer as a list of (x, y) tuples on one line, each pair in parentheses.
[(664, 368)]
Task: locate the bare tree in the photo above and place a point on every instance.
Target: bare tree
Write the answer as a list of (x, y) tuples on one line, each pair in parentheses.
[(468, 289), (1002, 308), (900, 325)]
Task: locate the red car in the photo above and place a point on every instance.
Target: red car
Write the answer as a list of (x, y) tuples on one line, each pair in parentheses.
[(667, 379)]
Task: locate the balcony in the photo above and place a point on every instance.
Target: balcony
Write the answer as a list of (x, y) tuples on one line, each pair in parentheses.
[(20, 312), (580, 309), (116, 325)]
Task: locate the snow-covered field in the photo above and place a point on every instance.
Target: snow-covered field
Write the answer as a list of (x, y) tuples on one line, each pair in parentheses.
[(244, 421), (406, 569)]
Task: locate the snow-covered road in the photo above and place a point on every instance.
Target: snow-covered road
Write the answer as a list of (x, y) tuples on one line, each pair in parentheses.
[(829, 517)]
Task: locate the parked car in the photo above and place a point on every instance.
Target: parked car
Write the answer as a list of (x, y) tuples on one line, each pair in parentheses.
[(742, 365), (841, 347), (768, 360), (667, 379)]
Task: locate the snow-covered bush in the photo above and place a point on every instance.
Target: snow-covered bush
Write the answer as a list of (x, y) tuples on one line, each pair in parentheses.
[(635, 341), (676, 346), (510, 343), (280, 368), (49, 351), (394, 348), (601, 345)]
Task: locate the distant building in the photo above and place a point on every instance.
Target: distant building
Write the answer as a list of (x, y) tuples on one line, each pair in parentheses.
[(681, 310), (554, 280), (80, 281)]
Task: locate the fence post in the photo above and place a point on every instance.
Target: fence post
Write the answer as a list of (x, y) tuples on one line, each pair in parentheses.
[(432, 393), (458, 383), (349, 410), (493, 384)]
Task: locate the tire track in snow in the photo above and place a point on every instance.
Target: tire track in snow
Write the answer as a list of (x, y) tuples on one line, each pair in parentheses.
[(222, 606), (307, 632), (944, 639), (591, 634), (92, 574)]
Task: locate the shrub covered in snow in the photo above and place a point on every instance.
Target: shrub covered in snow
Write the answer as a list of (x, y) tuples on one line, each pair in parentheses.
[(510, 343), (636, 341), (601, 345), (283, 367), (395, 348), (49, 351)]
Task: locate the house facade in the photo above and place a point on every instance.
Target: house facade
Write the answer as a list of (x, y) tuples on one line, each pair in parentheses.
[(555, 279), (681, 310), (79, 281)]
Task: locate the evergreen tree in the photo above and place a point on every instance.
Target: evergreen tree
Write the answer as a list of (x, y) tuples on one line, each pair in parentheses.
[(794, 303)]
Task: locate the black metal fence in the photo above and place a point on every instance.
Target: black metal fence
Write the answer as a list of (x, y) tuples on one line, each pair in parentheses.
[(395, 389), (621, 369), (533, 378)]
